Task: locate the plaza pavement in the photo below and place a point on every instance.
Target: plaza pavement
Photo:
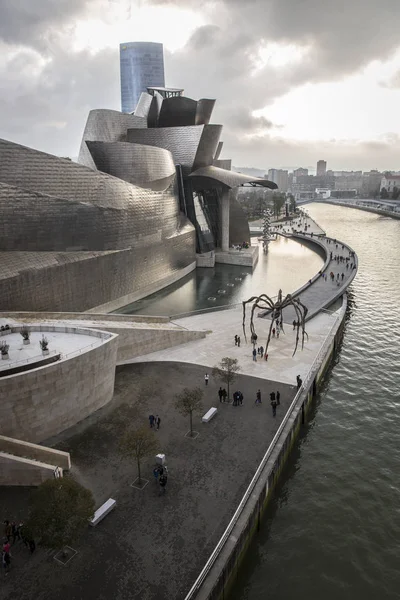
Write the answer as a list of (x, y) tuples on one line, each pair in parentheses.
[(153, 547), (150, 547)]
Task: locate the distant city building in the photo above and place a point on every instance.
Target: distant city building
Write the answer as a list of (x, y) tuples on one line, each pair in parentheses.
[(141, 67), (371, 183), (349, 182), (389, 182), (321, 168), (300, 172), (280, 177)]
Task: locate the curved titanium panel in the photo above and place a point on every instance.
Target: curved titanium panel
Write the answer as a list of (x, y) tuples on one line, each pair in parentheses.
[(182, 142), (239, 230), (223, 163), (205, 107), (229, 179), (144, 166), (143, 106), (177, 111), (219, 149), (65, 205), (207, 146), (105, 125)]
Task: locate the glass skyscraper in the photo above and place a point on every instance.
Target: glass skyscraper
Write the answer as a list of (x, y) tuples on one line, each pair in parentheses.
[(142, 66)]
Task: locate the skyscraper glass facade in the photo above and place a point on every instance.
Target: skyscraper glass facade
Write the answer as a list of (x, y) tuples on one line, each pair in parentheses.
[(142, 66)]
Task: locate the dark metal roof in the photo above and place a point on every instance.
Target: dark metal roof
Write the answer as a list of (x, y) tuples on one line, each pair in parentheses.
[(231, 179)]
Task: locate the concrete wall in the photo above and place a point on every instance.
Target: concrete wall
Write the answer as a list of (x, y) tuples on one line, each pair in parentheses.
[(23, 471), (43, 402), (43, 454), (136, 342)]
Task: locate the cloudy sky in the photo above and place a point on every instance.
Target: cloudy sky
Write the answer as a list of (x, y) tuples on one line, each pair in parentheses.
[(295, 80)]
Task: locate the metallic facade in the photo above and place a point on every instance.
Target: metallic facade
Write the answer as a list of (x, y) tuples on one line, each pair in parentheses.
[(148, 190), (141, 66)]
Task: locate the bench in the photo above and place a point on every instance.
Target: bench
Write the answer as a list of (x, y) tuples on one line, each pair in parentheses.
[(209, 415), (103, 511)]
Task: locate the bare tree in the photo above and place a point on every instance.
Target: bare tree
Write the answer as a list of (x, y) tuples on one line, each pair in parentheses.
[(60, 510), (226, 371), (138, 444), (188, 402)]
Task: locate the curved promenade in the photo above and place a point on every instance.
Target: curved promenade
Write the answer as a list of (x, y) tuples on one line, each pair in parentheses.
[(319, 293)]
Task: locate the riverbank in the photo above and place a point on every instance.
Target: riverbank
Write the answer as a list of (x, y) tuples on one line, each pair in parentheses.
[(170, 539), (357, 204)]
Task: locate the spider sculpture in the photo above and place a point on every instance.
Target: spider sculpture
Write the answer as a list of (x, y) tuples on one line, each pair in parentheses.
[(276, 309)]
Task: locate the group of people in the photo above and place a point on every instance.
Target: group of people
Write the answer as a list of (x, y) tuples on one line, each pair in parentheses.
[(160, 473), (13, 532), (222, 394), (237, 340), (274, 397), (154, 421), (237, 398)]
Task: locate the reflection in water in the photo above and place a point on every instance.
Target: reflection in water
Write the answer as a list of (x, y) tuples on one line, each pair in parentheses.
[(288, 265)]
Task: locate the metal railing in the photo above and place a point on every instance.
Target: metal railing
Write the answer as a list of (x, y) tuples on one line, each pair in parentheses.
[(217, 550), (34, 359)]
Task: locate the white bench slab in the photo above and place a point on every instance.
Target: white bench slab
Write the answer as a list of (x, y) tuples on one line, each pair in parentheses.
[(103, 511), (209, 415)]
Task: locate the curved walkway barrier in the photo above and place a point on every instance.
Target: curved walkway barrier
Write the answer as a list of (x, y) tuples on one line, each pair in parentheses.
[(266, 471)]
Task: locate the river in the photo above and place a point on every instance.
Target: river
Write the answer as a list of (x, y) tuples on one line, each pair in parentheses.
[(332, 530)]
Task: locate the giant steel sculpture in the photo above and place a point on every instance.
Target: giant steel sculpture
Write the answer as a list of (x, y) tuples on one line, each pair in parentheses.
[(276, 309)]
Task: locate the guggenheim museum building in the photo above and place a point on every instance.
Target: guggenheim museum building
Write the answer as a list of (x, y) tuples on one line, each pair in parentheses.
[(148, 196)]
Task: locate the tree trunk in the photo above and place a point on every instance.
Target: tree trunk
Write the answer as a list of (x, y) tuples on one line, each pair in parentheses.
[(191, 425), (138, 468)]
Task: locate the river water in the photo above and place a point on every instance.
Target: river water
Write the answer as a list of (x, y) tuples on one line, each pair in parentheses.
[(332, 530)]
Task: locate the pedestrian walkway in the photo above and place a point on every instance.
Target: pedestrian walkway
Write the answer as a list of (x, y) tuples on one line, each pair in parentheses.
[(320, 292)]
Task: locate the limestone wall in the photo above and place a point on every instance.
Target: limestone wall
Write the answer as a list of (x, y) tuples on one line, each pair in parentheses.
[(50, 456), (23, 471), (38, 404)]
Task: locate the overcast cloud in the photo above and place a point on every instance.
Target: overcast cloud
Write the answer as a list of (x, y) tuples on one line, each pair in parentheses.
[(47, 87)]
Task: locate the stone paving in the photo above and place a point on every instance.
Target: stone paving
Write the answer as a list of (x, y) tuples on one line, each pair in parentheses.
[(150, 546), (224, 325)]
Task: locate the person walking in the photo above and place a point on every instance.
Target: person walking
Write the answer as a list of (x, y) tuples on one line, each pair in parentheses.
[(206, 378), (151, 421), (299, 381), (294, 324), (278, 397), (158, 422), (262, 351), (6, 558), (254, 355), (241, 398), (273, 332), (15, 532), (277, 333), (273, 404), (266, 356), (220, 394), (224, 395), (7, 530), (258, 397), (236, 340), (163, 483)]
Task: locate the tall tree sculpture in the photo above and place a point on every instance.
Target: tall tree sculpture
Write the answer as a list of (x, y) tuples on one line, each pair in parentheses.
[(276, 309)]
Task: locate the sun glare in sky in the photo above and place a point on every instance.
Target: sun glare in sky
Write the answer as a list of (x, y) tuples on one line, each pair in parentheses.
[(171, 26)]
